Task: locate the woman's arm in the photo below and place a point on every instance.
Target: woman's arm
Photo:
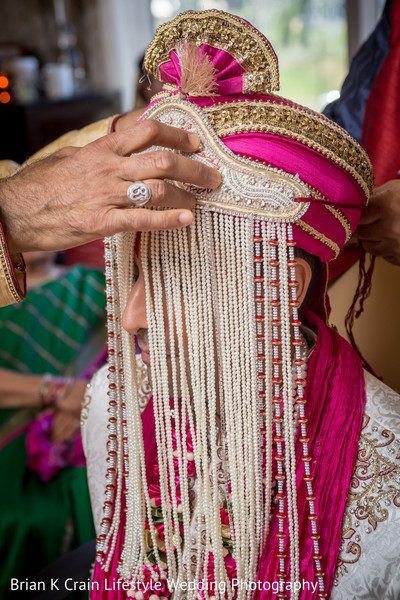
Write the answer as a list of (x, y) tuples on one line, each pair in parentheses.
[(17, 391)]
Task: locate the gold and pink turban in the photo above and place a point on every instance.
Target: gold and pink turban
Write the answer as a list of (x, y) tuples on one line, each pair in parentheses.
[(232, 79)]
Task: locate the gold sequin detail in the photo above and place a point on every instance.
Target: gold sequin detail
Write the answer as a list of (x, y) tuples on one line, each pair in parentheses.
[(319, 236), (296, 123), (225, 32), (342, 220)]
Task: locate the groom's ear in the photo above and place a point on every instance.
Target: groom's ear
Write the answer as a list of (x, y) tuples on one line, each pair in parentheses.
[(303, 278)]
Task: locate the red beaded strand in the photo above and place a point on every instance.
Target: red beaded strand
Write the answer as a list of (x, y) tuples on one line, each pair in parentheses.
[(301, 401), (277, 403)]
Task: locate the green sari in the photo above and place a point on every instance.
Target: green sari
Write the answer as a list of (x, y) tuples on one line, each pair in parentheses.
[(57, 329)]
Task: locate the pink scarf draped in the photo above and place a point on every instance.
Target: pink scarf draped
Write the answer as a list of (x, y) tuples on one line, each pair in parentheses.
[(335, 396), (335, 401)]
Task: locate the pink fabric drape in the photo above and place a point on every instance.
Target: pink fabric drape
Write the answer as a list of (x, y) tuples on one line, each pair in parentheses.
[(335, 401)]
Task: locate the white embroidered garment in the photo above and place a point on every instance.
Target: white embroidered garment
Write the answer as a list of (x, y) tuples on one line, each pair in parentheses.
[(369, 562)]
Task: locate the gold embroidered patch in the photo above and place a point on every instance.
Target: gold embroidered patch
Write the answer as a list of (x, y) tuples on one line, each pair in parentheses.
[(225, 32)]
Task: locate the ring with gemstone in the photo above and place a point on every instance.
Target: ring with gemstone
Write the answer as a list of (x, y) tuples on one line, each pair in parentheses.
[(139, 193)]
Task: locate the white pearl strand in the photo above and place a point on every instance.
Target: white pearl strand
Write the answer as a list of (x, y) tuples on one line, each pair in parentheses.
[(128, 427), (233, 410), (242, 368), (183, 251), (181, 277), (157, 345), (180, 283), (264, 336), (174, 325), (246, 366), (247, 363), (223, 259), (209, 268), (254, 428), (197, 334), (231, 367), (277, 399), (199, 398), (138, 500), (216, 249)]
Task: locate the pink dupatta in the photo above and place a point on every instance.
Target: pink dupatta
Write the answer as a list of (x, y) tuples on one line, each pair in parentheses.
[(335, 396)]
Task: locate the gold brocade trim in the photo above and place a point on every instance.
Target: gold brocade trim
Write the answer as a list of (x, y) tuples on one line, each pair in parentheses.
[(374, 488), (225, 32), (9, 285), (345, 223), (296, 123), (318, 236)]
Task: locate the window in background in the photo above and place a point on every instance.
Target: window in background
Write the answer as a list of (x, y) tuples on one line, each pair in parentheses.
[(309, 36)]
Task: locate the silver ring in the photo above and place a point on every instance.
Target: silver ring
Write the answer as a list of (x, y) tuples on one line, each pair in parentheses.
[(139, 193)]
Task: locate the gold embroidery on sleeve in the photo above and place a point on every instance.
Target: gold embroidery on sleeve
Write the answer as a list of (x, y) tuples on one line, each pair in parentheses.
[(374, 488)]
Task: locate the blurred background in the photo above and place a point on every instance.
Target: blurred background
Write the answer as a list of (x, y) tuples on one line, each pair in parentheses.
[(65, 63)]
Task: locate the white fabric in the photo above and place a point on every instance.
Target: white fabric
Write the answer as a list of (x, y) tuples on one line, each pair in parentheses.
[(94, 430), (369, 562)]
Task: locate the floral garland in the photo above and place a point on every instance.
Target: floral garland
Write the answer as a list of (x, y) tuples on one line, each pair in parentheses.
[(161, 591)]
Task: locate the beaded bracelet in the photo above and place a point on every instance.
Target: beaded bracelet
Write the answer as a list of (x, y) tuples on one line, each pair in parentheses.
[(52, 389)]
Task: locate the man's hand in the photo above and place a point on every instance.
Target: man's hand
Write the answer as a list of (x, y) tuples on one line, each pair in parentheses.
[(77, 195), (379, 228)]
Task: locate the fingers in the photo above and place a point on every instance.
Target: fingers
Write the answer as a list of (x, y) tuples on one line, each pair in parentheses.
[(374, 247), (386, 229), (152, 133), (144, 219), (372, 213), (368, 233), (169, 165), (64, 427), (384, 203), (389, 253), (167, 195), (163, 195)]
